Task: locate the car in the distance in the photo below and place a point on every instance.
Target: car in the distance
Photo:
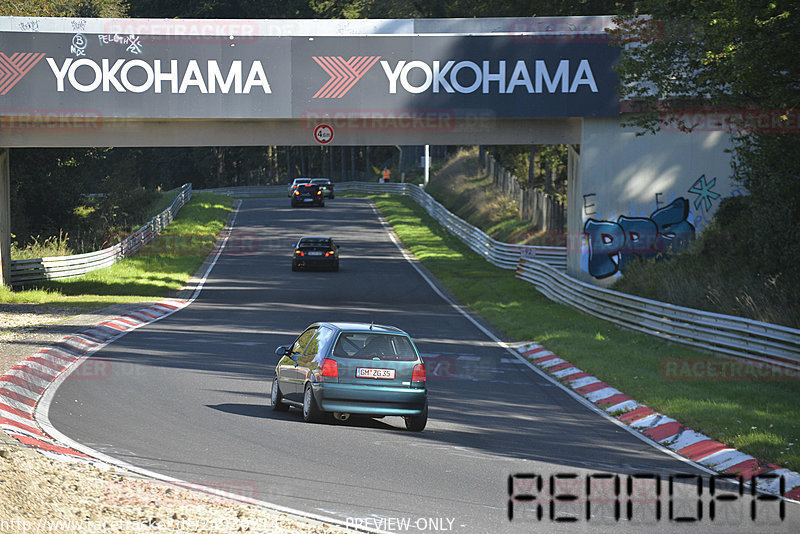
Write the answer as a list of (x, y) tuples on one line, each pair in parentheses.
[(296, 182), (307, 195), (313, 251), (326, 186), (341, 369)]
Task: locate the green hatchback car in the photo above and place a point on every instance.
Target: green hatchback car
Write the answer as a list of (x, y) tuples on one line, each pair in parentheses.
[(344, 369)]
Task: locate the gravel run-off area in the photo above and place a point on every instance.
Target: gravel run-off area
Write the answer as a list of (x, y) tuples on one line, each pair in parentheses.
[(41, 494)]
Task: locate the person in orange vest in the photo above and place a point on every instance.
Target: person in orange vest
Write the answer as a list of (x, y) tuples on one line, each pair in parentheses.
[(387, 173)]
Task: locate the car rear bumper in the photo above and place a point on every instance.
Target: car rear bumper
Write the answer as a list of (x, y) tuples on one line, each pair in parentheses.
[(315, 262), (370, 400)]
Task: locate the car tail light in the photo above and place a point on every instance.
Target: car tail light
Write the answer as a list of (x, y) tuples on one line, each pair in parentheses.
[(299, 253), (319, 192), (330, 253), (419, 373), (296, 192), (330, 369)]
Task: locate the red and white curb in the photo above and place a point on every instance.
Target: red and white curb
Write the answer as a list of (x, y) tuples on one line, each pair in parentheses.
[(22, 387), (668, 432)]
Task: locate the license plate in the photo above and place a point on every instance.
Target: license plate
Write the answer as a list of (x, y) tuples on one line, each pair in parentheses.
[(315, 253), (365, 372), (308, 200)]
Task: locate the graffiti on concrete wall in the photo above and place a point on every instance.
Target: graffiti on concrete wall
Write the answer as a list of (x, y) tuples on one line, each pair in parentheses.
[(614, 244), (706, 199)]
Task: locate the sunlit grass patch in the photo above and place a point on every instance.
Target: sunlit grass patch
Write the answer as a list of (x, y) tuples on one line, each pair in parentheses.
[(758, 417), (155, 271)]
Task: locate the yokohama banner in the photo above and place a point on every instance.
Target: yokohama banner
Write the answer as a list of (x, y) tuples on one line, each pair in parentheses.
[(194, 77)]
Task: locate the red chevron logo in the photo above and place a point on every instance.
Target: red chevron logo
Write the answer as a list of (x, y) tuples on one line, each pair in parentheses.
[(344, 74), (13, 68)]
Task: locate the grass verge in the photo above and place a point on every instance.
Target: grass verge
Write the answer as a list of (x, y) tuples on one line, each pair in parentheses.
[(466, 190), (760, 418), (158, 269)]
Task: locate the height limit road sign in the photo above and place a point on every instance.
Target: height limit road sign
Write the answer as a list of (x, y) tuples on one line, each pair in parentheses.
[(323, 134)]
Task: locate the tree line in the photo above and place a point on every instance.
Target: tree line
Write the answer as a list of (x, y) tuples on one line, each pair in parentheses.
[(689, 54)]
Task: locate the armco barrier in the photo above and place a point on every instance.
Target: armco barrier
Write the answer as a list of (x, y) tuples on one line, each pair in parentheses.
[(56, 267), (723, 334), (545, 267), (501, 254)]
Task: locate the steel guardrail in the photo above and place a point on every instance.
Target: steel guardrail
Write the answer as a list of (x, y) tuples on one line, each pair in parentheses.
[(545, 268), (723, 334), (59, 267), (497, 253)]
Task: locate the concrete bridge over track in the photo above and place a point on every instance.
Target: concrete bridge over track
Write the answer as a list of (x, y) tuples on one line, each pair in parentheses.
[(143, 82)]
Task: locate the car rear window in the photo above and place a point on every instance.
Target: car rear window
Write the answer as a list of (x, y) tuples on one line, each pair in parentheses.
[(315, 243), (367, 346)]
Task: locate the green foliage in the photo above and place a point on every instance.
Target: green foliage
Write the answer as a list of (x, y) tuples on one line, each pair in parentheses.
[(549, 172), (64, 8), (709, 54), (769, 167), (221, 9), (42, 248), (463, 8), (745, 263), (512, 157), (723, 55), (463, 188), (161, 267), (758, 418)]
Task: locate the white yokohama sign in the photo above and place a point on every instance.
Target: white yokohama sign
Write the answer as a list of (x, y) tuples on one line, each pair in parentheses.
[(139, 76), (488, 77)]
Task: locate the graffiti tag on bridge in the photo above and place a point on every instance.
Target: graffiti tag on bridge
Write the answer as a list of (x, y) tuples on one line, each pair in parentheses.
[(612, 245), (703, 189)]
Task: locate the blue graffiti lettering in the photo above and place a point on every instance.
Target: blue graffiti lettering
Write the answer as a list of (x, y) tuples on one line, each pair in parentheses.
[(641, 238), (674, 231), (705, 196), (606, 239), (613, 245)]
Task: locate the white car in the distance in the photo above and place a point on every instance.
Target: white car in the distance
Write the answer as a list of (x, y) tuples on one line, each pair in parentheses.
[(296, 182)]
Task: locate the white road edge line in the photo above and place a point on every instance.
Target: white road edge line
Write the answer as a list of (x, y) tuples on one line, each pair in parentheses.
[(41, 415), (413, 261), (517, 355)]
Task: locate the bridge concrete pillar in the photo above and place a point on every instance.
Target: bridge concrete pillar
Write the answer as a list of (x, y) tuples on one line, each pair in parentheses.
[(5, 218)]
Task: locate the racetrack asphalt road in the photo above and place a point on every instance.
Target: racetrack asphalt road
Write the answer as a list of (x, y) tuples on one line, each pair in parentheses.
[(188, 397)]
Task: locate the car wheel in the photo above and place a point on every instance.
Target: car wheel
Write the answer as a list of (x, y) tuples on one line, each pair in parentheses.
[(277, 397), (295, 267), (335, 267), (322, 204), (294, 204), (311, 412), (416, 423), (331, 196)]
